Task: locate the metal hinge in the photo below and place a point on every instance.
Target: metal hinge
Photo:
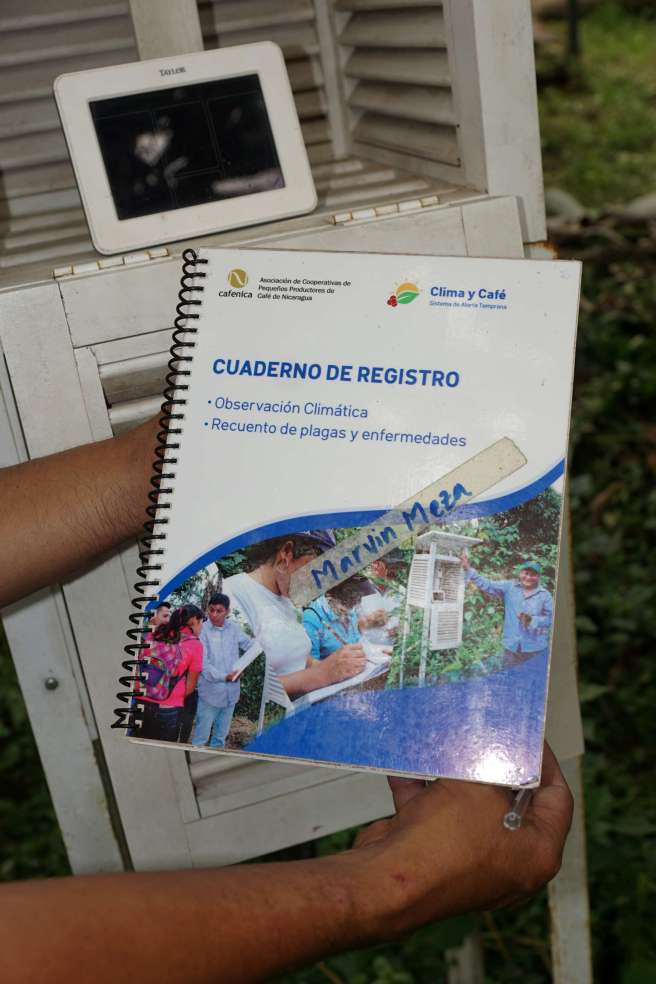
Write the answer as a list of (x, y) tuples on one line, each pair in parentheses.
[(111, 262), (380, 211)]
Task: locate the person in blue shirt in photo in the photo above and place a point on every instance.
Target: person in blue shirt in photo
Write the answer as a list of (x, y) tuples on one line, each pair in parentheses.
[(332, 620), (528, 610), (218, 688)]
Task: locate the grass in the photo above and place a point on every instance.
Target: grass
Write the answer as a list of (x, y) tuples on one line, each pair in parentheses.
[(598, 133)]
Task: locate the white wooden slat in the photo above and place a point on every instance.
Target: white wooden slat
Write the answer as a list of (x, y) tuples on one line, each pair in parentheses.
[(564, 730), (37, 74), (48, 13), (496, 104), (320, 153), (135, 378), (147, 797), (349, 165), (165, 29), (79, 248), (420, 67), (401, 28), (310, 105), (569, 905), (42, 221), (42, 646), (27, 116), (218, 778), (32, 205), (282, 821), (63, 52), (364, 175), (26, 317), (93, 396), (355, 5), (244, 15), (33, 149), (493, 228), (114, 304), (315, 131), (202, 765), (373, 196), (134, 347), (73, 31), (464, 963), (304, 74), (16, 241), (126, 416), (179, 769), (249, 780), (437, 143), (446, 173), (331, 59), (425, 104), (295, 40)]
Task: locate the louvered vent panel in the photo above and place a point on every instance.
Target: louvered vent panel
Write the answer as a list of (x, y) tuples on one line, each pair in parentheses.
[(400, 86), (451, 579), (40, 212), (418, 580), (290, 24), (445, 627), (223, 783), (133, 386)]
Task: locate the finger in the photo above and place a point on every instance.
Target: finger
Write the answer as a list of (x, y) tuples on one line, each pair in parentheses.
[(403, 790), (553, 804), (551, 771)]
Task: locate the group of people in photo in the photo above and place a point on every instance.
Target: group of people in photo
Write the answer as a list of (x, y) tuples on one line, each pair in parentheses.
[(193, 658), (190, 675)]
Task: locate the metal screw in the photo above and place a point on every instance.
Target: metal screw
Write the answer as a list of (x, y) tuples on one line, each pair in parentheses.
[(51, 683)]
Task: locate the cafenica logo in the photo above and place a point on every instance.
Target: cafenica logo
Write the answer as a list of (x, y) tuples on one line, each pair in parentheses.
[(238, 279), (404, 294)]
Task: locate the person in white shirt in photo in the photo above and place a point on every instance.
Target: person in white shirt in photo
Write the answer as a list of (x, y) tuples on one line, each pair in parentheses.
[(261, 596), (218, 686)]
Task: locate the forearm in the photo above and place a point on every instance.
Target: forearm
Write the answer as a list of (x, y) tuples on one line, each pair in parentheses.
[(69, 508), (296, 912), (304, 681)]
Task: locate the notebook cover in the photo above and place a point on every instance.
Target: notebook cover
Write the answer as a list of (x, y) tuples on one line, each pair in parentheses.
[(353, 423)]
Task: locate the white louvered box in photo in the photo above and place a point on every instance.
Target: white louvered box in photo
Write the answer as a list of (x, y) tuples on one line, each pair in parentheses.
[(436, 584), (420, 122)]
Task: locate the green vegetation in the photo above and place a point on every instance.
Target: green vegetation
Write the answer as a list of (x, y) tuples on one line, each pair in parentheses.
[(598, 134), (599, 130), (508, 538)]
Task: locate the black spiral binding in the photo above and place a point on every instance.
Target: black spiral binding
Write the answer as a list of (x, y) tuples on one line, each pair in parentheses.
[(130, 717)]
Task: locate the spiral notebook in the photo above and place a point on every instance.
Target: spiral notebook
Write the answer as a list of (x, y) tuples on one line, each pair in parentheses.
[(352, 551)]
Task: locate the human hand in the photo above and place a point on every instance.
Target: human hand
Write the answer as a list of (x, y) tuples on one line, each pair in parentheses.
[(344, 662), (374, 620), (447, 852), (525, 619), (231, 677)]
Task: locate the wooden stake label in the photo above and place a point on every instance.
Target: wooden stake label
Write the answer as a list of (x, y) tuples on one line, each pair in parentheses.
[(433, 504)]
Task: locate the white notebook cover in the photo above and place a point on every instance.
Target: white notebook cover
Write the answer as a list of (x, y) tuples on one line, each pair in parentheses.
[(325, 389)]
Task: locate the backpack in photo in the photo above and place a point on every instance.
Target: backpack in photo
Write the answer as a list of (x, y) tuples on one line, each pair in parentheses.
[(160, 675)]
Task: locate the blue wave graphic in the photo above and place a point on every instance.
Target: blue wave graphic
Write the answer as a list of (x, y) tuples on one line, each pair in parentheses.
[(318, 521)]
